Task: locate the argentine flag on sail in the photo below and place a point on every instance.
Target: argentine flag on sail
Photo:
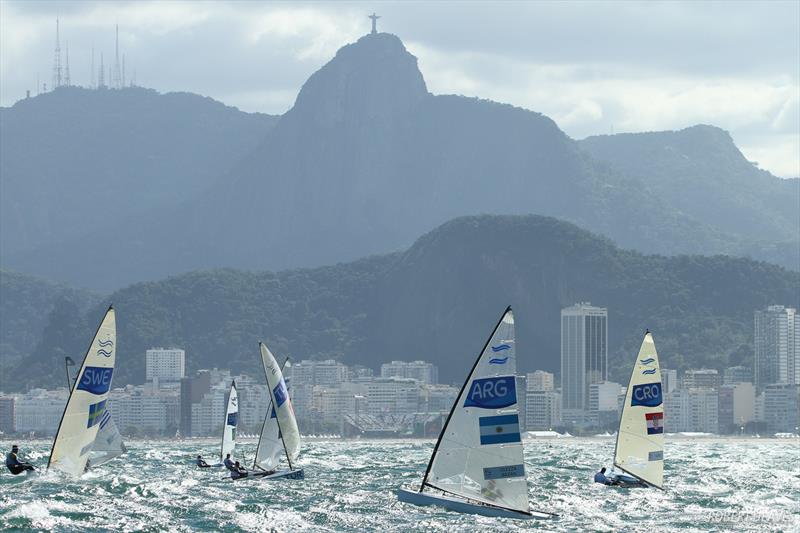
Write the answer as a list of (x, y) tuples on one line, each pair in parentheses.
[(499, 429)]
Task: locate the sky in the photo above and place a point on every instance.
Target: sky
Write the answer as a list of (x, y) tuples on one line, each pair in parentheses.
[(593, 67)]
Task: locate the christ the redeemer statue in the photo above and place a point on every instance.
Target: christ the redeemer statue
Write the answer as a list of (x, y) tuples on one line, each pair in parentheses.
[(374, 18)]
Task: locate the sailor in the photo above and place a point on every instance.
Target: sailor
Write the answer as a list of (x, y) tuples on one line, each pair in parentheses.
[(201, 463), (229, 463), (601, 477), (238, 471), (14, 465)]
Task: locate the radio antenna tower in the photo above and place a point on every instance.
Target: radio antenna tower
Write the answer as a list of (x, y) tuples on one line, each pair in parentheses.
[(123, 70), (66, 68), (116, 76), (92, 79), (101, 79), (57, 60)]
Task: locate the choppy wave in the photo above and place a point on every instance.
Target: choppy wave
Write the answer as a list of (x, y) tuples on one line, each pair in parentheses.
[(747, 485)]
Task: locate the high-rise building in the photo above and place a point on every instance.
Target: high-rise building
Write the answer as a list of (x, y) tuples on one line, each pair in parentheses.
[(777, 346), (7, 414), (328, 373), (584, 352), (540, 381), (422, 371), (39, 410), (737, 374), (737, 403), (165, 365), (704, 378), (669, 380), (782, 408)]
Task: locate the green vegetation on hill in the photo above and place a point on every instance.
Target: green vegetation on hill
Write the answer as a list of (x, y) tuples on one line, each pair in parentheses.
[(437, 301)]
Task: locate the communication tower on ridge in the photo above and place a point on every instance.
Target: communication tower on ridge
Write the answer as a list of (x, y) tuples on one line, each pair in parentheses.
[(67, 81), (57, 60), (116, 76)]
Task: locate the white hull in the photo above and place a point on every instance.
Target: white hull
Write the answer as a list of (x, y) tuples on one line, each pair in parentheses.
[(453, 503)]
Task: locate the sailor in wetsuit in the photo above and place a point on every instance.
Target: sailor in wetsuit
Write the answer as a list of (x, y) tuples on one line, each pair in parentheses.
[(201, 463), (228, 463), (238, 471), (14, 465), (601, 477)]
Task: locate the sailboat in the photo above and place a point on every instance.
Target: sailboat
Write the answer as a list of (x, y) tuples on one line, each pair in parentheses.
[(86, 406), (108, 444), (229, 426), (477, 465), (639, 452), (280, 437)]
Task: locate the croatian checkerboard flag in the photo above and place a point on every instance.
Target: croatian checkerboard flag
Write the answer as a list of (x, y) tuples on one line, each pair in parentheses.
[(655, 423)]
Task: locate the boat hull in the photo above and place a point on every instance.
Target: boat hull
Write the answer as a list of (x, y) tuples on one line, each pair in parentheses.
[(408, 495)]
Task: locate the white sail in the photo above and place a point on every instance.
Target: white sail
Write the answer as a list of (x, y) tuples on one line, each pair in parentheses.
[(279, 394), (108, 444), (87, 402), (270, 444), (230, 423), (479, 455), (640, 440)]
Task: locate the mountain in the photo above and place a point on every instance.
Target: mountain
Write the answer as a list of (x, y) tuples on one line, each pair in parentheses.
[(367, 159), (700, 171), (438, 301), (24, 309), (74, 160)]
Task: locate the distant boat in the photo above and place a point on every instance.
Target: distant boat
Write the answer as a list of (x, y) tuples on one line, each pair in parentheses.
[(639, 451), (477, 465), (280, 436), (229, 426), (86, 405), (108, 444)]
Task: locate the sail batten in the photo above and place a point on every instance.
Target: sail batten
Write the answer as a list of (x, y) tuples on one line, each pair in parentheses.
[(479, 453), (86, 406), (639, 449)]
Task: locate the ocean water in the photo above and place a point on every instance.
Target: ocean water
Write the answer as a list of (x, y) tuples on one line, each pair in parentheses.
[(712, 485)]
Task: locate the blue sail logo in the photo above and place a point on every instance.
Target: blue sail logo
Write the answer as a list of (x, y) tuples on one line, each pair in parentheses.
[(501, 347), (648, 361), (498, 360), (492, 393), (95, 380), (649, 371)]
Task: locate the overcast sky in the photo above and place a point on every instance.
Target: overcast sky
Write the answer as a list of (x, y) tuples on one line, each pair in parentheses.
[(593, 67)]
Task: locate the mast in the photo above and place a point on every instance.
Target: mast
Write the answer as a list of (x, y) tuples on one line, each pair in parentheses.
[(455, 403), (277, 420)]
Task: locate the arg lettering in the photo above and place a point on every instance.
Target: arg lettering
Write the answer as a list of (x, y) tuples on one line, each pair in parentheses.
[(492, 393)]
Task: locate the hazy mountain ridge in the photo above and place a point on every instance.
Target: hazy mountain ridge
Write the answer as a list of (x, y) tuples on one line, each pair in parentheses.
[(437, 301), (75, 160), (368, 159)]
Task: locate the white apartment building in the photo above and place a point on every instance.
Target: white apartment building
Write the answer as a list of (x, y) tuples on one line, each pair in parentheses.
[(604, 396), (392, 395), (692, 410), (542, 410), (540, 381), (777, 346), (39, 410), (737, 404), (328, 373), (165, 365), (422, 371)]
